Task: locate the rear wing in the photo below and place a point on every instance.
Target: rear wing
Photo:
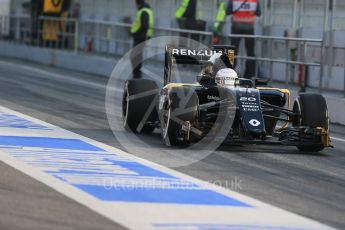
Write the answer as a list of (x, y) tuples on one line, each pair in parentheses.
[(192, 57)]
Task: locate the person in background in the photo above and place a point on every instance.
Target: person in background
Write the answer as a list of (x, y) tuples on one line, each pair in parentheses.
[(76, 10), (186, 11), (244, 13), (186, 16), (219, 21), (141, 30)]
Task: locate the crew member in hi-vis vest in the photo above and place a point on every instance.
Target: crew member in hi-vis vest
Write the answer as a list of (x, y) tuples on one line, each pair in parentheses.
[(141, 30), (52, 28), (186, 11), (219, 21), (244, 13), (52, 6)]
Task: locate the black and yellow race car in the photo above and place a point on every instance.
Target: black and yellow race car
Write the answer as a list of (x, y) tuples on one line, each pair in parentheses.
[(220, 105)]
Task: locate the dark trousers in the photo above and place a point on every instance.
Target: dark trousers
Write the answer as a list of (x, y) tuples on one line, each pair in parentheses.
[(187, 24), (191, 24), (137, 58), (250, 48)]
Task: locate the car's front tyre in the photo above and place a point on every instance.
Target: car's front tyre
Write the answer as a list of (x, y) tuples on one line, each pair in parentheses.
[(312, 112), (138, 98)]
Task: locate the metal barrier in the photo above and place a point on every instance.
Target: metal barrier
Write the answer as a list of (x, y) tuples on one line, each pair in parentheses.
[(15, 28), (302, 50), (58, 33), (114, 38), (105, 37), (49, 32), (111, 38)]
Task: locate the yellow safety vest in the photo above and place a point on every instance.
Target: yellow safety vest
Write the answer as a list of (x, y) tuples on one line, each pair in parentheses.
[(137, 22), (221, 13), (182, 9), (52, 6)]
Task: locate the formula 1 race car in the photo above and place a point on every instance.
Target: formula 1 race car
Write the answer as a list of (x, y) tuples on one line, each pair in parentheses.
[(187, 113)]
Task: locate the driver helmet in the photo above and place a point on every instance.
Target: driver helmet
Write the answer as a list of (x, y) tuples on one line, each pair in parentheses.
[(226, 77)]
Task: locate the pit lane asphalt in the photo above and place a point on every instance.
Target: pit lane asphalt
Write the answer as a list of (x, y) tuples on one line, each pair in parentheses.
[(312, 185)]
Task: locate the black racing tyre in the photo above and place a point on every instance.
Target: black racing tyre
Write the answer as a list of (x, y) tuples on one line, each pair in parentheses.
[(180, 105), (139, 96), (313, 113)]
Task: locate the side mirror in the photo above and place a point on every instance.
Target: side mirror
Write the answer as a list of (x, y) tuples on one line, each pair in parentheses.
[(261, 81), (247, 83)]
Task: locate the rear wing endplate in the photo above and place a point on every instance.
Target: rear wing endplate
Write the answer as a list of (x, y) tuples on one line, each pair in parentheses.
[(175, 55)]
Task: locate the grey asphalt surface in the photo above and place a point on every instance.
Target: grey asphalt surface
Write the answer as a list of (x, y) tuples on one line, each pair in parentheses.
[(312, 185)]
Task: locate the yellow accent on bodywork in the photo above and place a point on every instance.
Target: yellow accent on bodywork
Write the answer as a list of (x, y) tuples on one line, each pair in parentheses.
[(326, 137), (285, 91), (174, 85), (171, 67)]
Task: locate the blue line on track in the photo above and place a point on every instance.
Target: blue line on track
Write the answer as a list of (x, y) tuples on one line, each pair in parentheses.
[(12, 121), (50, 143)]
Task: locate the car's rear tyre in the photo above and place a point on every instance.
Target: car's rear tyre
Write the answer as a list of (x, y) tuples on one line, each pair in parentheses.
[(313, 113), (180, 105), (139, 96)]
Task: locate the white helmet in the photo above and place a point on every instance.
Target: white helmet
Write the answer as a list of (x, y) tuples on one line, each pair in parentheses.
[(226, 77)]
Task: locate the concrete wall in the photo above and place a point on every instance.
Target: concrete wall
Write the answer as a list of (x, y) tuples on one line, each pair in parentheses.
[(68, 60)]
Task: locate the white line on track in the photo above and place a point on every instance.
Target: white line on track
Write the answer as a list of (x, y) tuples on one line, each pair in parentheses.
[(337, 139)]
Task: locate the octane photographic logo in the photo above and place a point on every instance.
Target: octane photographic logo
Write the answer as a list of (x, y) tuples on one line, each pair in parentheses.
[(151, 147)]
